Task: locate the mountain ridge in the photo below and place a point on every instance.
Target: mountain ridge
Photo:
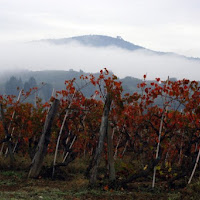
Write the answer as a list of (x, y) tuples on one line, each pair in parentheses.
[(102, 41), (96, 41)]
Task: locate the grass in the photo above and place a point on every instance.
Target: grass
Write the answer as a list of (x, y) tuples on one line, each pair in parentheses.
[(18, 174), (15, 185), (58, 194)]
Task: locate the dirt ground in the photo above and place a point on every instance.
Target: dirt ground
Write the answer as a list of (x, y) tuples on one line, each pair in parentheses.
[(15, 185), (71, 184)]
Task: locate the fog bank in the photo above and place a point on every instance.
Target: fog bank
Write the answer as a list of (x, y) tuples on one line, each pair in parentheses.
[(43, 56)]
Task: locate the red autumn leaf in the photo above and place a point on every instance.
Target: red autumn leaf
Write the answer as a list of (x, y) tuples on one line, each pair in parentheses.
[(157, 79), (26, 139), (106, 188)]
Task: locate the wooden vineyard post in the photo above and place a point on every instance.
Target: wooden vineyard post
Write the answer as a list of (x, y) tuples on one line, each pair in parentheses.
[(8, 128), (59, 135), (102, 134), (44, 141), (8, 136), (111, 162), (159, 137), (195, 166)]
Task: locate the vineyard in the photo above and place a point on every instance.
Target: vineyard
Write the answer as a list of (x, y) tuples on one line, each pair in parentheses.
[(151, 137)]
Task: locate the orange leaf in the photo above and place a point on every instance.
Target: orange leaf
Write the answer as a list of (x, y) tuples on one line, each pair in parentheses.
[(106, 188)]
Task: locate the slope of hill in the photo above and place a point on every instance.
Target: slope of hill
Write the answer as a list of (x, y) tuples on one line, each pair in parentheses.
[(99, 41), (56, 78)]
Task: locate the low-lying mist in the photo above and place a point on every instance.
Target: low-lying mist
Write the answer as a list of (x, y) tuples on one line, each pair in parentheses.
[(43, 56)]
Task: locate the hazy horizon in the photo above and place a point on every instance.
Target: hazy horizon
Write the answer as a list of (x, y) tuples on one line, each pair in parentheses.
[(43, 56)]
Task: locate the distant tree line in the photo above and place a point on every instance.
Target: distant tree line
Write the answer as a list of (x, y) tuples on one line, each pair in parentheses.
[(14, 85)]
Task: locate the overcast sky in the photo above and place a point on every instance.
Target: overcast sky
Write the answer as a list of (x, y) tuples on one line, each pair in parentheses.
[(160, 25), (163, 25)]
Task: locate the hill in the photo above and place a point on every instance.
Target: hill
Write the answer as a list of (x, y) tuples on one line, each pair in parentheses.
[(56, 79), (97, 41), (102, 41)]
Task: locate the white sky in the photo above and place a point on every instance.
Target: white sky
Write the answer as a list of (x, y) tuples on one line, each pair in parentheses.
[(162, 25)]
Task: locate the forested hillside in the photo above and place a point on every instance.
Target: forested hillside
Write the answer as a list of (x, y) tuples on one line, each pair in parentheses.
[(54, 79)]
